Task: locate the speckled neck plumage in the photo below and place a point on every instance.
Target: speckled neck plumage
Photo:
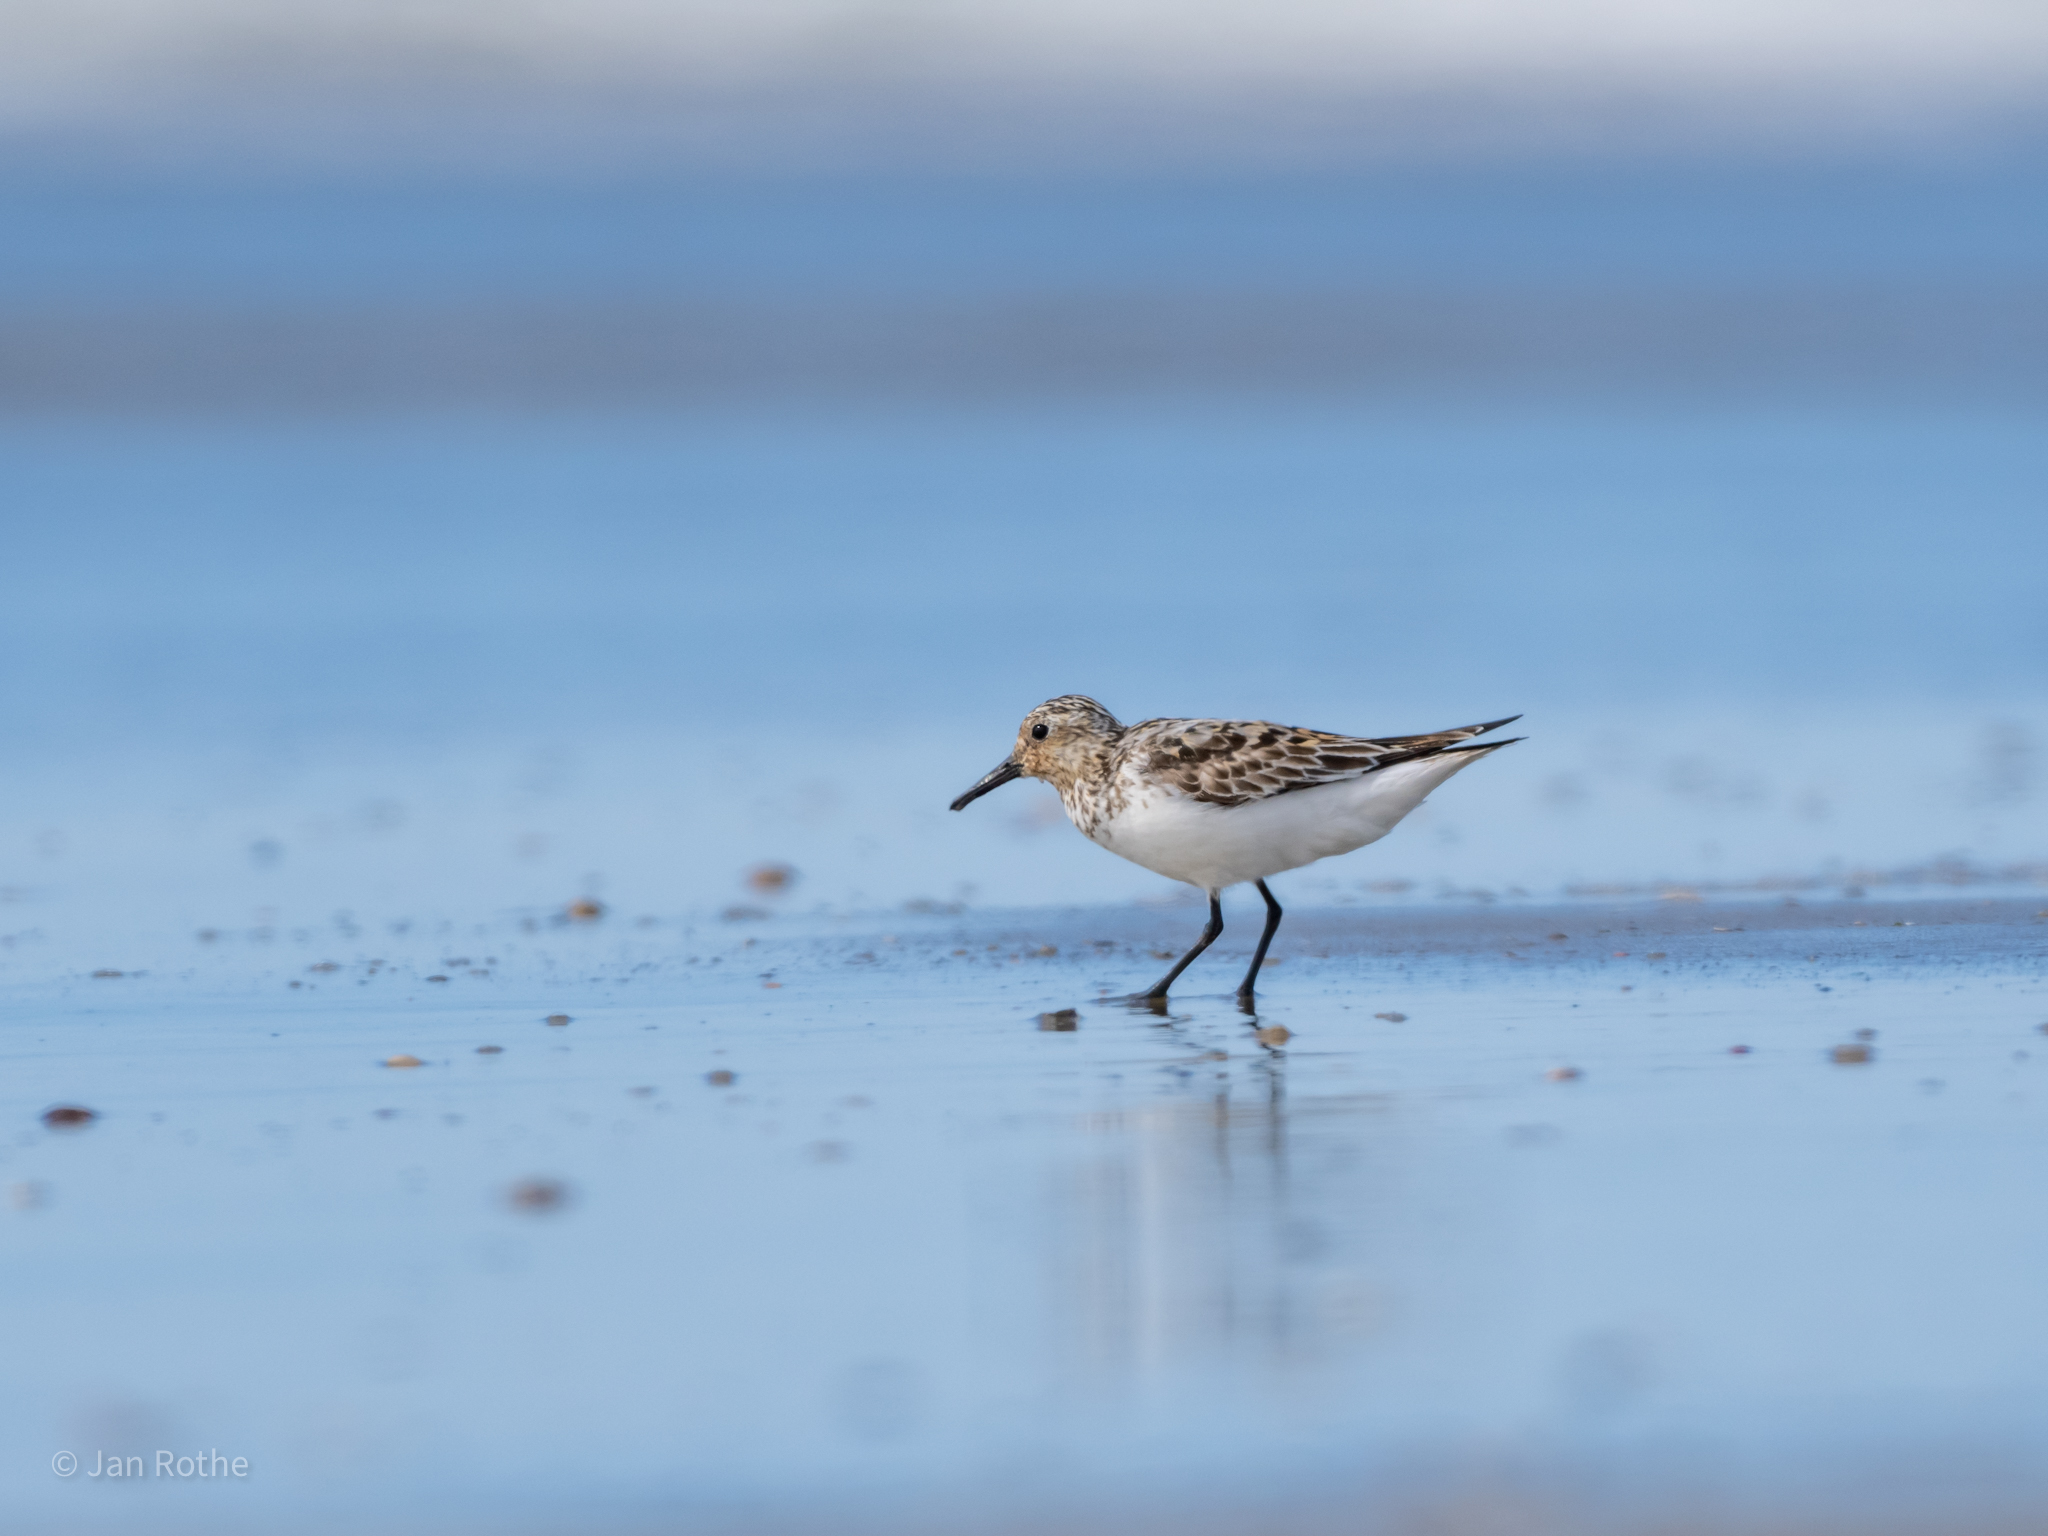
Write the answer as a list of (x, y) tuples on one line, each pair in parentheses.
[(1082, 763)]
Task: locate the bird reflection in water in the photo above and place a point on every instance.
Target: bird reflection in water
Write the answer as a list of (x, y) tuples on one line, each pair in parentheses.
[(1237, 1232)]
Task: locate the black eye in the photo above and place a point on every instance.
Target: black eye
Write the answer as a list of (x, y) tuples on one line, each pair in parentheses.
[(1039, 731)]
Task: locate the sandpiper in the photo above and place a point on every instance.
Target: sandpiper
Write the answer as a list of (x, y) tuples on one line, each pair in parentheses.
[(1220, 802)]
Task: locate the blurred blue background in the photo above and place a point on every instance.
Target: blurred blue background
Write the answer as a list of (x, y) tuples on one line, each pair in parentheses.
[(456, 459), (478, 495)]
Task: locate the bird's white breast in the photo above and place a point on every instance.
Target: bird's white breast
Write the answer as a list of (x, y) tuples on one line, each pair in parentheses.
[(1215, 845)]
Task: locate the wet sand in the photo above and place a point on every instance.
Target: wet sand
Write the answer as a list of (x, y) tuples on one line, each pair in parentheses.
[(1685, 1215)]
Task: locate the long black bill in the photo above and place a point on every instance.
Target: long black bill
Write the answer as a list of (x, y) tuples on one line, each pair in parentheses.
[(995, 779)]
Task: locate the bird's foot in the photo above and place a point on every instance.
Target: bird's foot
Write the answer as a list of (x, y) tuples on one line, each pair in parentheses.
[(1143, 1002)]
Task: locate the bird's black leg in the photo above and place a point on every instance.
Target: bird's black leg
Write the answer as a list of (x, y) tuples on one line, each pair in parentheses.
[(1251, 977), (1209, 932)]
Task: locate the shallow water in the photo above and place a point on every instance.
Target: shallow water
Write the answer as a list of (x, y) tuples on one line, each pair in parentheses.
[(925, 1262), (388, 566), (1727, 477), (458, 666)]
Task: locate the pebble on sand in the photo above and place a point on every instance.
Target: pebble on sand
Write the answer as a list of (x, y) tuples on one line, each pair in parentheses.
[(403, 1060), (538, 1195), (69, 1117), (771, 879), (1060, 1021), (721, 1078)]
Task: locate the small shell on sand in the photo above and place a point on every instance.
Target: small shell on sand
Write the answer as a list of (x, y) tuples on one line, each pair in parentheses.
[(771, 879), (538, 1195)]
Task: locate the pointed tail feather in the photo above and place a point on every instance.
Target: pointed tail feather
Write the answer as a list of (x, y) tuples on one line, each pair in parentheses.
[(1430, 741), (1404, 749), (1479, 746), (1460, 733)]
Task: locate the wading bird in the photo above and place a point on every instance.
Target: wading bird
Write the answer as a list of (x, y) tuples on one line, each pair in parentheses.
[(1220, 802)]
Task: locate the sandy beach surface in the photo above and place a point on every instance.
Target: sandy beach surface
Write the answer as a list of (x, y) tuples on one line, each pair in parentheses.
[(1676, 1215), (502, 1034)]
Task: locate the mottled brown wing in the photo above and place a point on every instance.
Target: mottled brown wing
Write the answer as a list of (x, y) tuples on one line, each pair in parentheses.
[(1229, 762)]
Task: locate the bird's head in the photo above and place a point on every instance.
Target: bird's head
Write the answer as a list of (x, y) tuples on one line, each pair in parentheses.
[(1060, 741)]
